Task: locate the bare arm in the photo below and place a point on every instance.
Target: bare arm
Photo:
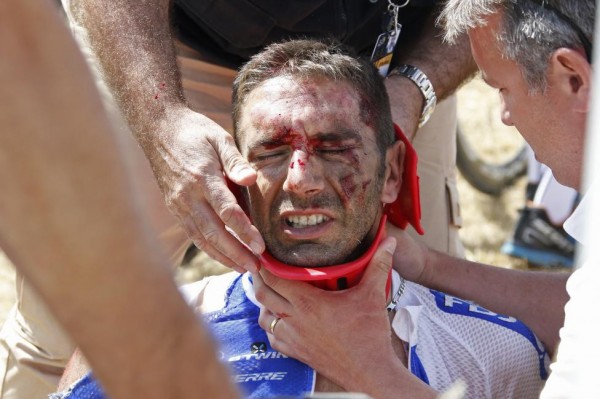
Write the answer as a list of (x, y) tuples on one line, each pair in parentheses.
[(187, 151), (72, 225), (534, 297), (447, 66)]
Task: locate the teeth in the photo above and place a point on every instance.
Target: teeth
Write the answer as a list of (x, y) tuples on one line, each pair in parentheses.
[(304, 221)]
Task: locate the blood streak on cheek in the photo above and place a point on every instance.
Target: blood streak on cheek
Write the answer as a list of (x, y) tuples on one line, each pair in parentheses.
[(362, 199), (353, 159), (348, 185)]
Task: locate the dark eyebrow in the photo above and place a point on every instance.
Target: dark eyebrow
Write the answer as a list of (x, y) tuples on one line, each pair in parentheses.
[(346, 134), (342, 135)]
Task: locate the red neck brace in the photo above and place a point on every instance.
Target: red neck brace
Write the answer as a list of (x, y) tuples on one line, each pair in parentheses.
[(331, 278), (405, 210)]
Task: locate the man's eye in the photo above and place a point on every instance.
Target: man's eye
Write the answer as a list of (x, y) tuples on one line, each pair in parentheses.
[(334, 150), (269, 155)]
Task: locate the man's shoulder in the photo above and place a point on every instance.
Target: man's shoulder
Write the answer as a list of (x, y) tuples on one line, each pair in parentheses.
[(492, 352), (208, 294)]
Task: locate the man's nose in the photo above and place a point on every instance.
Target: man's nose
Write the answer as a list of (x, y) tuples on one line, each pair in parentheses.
[(304, 175)]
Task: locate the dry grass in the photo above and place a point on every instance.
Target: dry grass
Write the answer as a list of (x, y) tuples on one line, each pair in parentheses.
[(487, 220)]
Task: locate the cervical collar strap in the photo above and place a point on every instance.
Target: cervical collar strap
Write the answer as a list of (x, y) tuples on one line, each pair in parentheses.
[(331, 278)]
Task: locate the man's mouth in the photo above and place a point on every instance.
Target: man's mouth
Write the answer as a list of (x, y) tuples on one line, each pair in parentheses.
[(302, 221)]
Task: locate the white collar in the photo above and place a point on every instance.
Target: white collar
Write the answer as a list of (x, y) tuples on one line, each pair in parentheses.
[(575, 224), (398, 285)]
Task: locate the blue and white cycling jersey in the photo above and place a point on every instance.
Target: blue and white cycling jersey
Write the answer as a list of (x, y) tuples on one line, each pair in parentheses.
[(450, 338), (447, 339)]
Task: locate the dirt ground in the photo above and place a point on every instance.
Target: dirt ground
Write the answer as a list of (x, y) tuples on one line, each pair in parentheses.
[(487, 221)]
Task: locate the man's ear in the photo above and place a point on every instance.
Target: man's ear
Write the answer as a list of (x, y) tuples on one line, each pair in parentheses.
[(394, 166), (571, 73)]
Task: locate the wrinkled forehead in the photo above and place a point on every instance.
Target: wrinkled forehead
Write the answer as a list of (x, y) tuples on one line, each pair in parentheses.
[(302, 105)]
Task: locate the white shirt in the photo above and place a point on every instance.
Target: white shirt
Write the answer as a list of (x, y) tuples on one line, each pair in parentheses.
[(576, 372)]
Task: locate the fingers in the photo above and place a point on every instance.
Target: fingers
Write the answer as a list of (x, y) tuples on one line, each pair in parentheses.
[(269, 298), (376, 275), (234, 164), (208, 209), (194, 234), (224, 204), (381, 264), (208, 233), (410, 257), (270, 322), (223, 201), (289, 289), (275, 327)]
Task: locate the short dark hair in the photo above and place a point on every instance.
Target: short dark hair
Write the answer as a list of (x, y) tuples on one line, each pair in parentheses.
[(330, 60)]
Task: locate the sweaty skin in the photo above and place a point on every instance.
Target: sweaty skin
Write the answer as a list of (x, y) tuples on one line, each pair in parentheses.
[(312, 150)]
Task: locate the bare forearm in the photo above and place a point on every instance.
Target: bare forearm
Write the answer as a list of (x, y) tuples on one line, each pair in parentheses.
[(188, 152), (536, 298), (447, 67), (132, 41)]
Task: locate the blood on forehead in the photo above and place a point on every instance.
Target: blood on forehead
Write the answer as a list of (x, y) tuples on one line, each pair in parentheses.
[(348, 99), (294, 112)]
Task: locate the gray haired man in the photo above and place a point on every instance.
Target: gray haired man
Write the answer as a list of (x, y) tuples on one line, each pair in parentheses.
[(538, 55)]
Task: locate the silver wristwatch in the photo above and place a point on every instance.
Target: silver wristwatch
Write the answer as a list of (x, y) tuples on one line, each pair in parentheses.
[(423, 83)]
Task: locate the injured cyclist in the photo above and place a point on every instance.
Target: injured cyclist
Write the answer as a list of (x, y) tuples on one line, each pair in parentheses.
[(315, 123)]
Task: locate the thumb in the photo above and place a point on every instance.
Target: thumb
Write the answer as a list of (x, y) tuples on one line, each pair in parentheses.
[(376, 275), (235, 165)]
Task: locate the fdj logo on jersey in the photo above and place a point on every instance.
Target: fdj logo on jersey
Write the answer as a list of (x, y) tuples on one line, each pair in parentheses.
[(453, 305)]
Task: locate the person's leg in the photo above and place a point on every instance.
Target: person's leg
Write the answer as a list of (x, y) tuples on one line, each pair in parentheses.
[(435, 144), (33, 347), (535, 170), (538, 236), (556, 199)]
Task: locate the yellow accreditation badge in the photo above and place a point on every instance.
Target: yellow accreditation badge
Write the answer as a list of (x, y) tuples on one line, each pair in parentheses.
[(386, 42)]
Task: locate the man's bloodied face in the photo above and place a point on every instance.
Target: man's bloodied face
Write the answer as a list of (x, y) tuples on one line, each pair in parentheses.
[(317, 200)]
